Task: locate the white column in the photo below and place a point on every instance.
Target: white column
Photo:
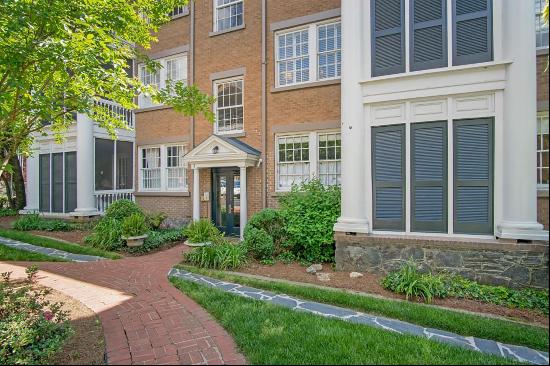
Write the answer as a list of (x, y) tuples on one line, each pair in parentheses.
[(196, 195), (519, 193), (85, 201), (244, 202), (353, 217), (33, 183)]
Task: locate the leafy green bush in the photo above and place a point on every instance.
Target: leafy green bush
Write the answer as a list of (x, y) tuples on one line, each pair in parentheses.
[(310, 211), (122, 209), (134, 225), (409, 281), (220, 255), (31, 328), (158, 239), (272, 222), (286, 257), (155, 220), (201, 231), (106, 235), (3, 202), (259, 243), (35, 222), (8, 212)]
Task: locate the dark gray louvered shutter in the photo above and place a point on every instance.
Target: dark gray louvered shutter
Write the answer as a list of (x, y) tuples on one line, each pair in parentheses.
[(428, 31), (473, 176), (44, 178), (70, 181), (472, 31), (388, 160), (429, 177), (388, 37)]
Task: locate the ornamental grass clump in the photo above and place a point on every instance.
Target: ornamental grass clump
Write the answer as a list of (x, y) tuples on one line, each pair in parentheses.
[(201, 231), (221, 254)]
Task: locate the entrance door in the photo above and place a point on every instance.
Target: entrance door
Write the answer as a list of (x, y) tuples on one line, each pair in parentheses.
[(226, 202)]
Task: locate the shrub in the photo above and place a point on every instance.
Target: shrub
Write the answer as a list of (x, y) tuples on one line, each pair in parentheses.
[(31, 328), (409, 281), (8, 212), (134, 225), (310, 211), (221, 255), (35, 222), (121, 209), (3, 202), (107, 234), (158, 239), (259, 243), (286, 257), (201, 231), (272, 222), (155, 220)]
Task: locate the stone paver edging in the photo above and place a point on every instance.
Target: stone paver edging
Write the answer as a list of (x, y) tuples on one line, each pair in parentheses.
[(518, 353), (50, 251)]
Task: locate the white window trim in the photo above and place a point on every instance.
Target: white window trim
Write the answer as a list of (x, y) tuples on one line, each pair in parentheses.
[(163, 171), (215, 105), (540, 186), (163, 71), (313, 138), (318, 53), (215, 7), (313, 43)]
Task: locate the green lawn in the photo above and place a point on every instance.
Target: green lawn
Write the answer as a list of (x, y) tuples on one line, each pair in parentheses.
[(56, 244), (427, 316), (270, 334), (12, 254)]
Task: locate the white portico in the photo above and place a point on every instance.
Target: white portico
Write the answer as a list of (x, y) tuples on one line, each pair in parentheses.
[(228, 159)]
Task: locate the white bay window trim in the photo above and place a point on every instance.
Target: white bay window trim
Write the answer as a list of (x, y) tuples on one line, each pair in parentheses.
[(313, 53), (161, 172)]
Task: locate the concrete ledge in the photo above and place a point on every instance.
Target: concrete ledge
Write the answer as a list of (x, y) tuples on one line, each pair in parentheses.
[(213, 34), (309, 84)]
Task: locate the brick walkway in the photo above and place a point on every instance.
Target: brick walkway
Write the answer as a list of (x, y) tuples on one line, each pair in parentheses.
[(145, 319)]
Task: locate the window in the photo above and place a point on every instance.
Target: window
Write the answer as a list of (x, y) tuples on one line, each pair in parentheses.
[(150, 168), (543, 141), (228, 14), (124, 164), (293, 163), (330, 158), (329, 55), (307, 156), (104, 164), (57, 182), (308, 54), (179, 11), (172, 69), (175, 170), (229, 106), (541, 27), (162, 168)]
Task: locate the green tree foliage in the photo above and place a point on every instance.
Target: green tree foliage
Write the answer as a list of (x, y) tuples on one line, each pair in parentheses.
[(59, 57)]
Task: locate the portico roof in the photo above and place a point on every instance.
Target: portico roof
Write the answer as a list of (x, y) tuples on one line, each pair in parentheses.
[(220, 151)]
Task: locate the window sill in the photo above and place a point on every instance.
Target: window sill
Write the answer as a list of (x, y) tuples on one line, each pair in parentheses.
[(542, 51), (231, 134), (184, 14), (161, 194), (311, 84), (217, 33), (154, 108)]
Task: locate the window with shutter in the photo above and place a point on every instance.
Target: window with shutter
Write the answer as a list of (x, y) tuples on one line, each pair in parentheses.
[(428, 34), (473, 176), (429, 177), (388, 37), (389, 177), (472, 31)]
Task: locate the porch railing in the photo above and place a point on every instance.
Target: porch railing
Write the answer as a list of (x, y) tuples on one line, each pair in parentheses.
[(103, 199), (115, 109)]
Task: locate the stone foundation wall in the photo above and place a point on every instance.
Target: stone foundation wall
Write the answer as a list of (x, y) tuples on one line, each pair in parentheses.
[(491, 262)]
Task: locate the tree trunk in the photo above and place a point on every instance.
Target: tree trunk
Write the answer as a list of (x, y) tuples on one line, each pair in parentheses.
[(18, 184), (6, 179)]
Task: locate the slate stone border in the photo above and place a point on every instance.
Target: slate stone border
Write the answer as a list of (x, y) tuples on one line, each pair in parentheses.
[(49, 251), (518, 353)]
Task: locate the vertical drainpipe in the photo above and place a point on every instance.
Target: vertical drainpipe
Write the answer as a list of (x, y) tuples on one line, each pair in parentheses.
[(264, 106), (192, 63)]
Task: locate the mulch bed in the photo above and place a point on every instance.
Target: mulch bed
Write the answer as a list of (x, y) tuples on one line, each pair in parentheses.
[(87, 345), (370, 283)]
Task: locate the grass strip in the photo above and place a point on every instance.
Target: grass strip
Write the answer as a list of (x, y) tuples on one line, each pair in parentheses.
[(423, 315), (13, 254), (55, 244), (270, 334)]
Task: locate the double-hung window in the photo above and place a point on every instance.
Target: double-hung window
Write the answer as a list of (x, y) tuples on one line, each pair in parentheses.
[(540, 25), (543, 143), (179, 11), (309, 53), (229, 106), (172, 69), (228, 14), (162, 168), (306, 156)]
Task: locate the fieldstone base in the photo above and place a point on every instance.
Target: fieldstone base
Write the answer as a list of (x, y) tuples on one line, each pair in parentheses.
[(491, 262)]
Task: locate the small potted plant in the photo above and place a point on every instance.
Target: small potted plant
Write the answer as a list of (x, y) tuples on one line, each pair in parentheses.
[(134, 230), (200, 233)]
